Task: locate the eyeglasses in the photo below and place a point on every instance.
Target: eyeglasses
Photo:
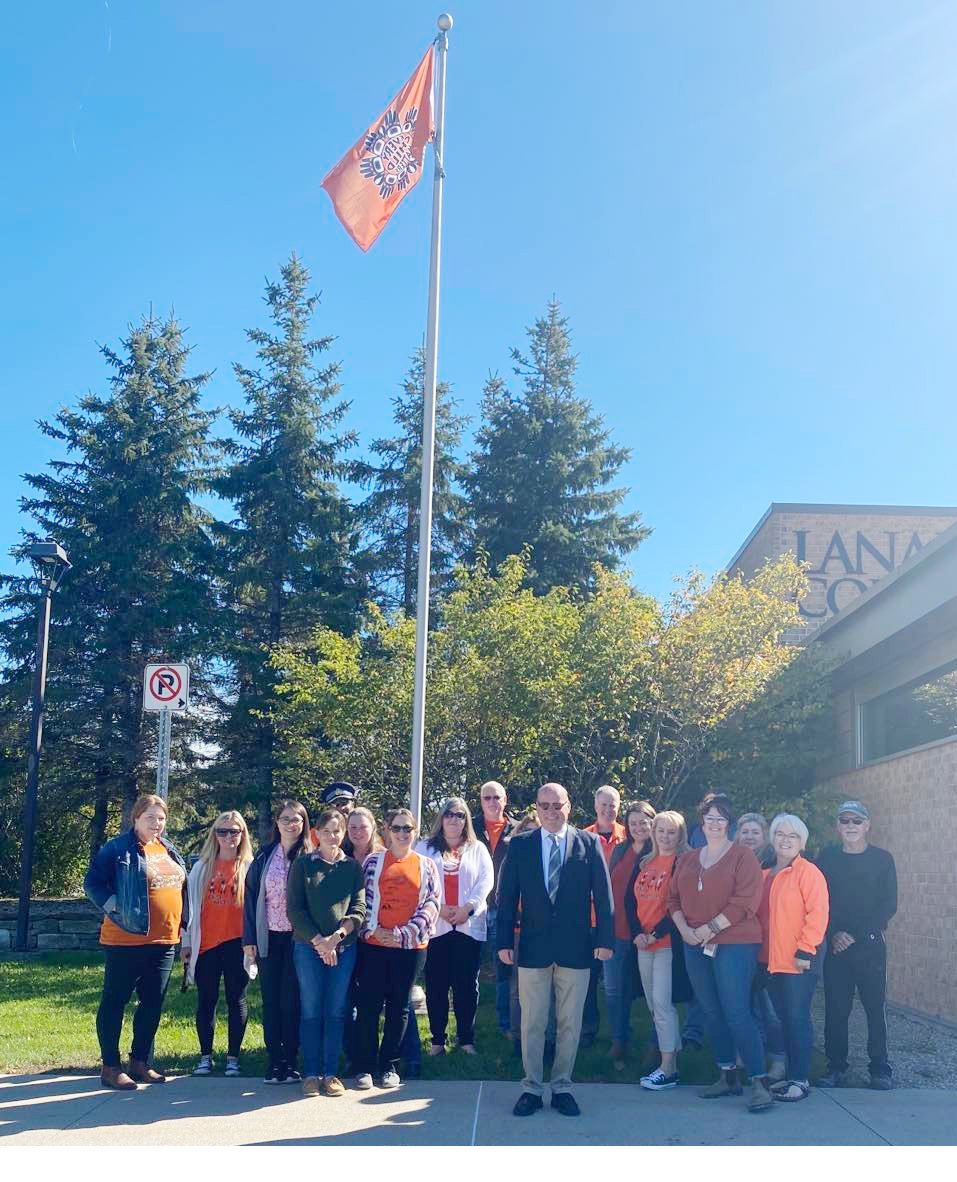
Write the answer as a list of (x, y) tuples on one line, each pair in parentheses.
[(545, 805), (290, 820), (779, 836), (715, 820), (455, 816), (402, 828), (228, 832), (850, 820)]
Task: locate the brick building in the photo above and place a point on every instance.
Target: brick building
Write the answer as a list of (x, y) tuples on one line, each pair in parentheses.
[(849, 547), (895, 693)]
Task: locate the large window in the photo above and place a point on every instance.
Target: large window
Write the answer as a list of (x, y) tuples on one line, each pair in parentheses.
[(911, 715)]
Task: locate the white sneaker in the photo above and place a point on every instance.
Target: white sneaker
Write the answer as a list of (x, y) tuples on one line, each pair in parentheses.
[(389, 1079), (204, 1066), (657, 1081), (232, 1066), (363, 1081)]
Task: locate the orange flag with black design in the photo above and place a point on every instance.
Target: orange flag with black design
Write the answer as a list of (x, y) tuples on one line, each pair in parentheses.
[(385, 164)]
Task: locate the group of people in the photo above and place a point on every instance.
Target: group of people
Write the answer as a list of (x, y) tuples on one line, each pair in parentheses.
[(338, 919)]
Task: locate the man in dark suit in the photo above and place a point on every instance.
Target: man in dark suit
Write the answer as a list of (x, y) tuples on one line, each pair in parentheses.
[(556, 874)]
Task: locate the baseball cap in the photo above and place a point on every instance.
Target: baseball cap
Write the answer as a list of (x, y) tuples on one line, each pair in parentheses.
[(856, 807), (340, 790)]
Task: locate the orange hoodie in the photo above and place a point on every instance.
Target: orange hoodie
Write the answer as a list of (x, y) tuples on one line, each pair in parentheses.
[(798, 911)]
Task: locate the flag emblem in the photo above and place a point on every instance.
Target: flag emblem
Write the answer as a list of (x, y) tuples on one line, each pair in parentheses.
[(390, 153)]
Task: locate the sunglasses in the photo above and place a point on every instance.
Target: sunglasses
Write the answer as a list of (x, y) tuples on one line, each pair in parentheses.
[(850, 820), (402, 828), (228, 832), (545, 805), (454, 816)]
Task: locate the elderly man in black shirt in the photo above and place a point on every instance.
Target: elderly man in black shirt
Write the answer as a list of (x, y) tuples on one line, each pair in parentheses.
[(862, 885)]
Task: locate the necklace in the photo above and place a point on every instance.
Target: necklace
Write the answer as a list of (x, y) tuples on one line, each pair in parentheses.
[(701, 866)]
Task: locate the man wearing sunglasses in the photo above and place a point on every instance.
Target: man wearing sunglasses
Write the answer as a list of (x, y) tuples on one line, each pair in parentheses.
[(862, 885), (556, 874), (494, 828)]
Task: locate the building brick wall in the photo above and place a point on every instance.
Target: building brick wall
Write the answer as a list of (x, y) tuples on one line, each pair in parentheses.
[(842, 545), (912, 799)]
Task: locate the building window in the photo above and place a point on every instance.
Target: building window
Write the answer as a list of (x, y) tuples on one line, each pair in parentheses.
[(921, 712)]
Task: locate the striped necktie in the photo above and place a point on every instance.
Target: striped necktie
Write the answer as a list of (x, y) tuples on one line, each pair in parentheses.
[(554, 868)]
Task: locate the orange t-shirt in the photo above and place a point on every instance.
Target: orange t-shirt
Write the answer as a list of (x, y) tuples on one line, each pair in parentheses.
[(164, 880), (651, 894), (399, 885), (494, 830), (222, 915)]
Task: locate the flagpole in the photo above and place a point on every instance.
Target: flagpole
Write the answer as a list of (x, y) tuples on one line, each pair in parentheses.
[(428, 430)]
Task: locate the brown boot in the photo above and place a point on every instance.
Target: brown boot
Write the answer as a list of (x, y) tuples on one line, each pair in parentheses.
[(143, 1073), (116, 1077)]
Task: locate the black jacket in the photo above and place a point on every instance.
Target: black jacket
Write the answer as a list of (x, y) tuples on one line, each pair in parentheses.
[(560, 932), (501, 849)]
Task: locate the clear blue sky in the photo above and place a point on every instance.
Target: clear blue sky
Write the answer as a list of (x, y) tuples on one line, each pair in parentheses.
[(748, 211)]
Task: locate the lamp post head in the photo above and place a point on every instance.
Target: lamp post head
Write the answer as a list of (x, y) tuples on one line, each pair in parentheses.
[(47, 552)]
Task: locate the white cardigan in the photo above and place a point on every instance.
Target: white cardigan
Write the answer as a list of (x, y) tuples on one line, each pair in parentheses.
[(476, 878)]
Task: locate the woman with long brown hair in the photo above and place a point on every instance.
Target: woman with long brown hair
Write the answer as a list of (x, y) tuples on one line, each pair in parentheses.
[(213, 942), (267, 938)]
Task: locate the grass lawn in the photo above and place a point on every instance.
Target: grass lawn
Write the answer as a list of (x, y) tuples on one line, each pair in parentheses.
[(48, 1020)]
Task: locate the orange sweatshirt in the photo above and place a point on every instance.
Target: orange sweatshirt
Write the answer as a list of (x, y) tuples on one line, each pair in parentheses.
[(797, 913)]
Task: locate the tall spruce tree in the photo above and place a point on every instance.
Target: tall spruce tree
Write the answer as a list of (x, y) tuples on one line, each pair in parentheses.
[(121, 505), (288, 555), (541, 472), (391, 510)]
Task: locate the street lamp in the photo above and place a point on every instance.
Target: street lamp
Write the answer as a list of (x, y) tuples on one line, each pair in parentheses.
[(51, 563)]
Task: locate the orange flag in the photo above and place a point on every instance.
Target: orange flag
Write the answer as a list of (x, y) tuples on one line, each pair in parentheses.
[(386, 162)]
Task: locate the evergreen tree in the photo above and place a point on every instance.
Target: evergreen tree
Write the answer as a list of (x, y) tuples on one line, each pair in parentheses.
[(140, 589), (391, 511), (541, 472), (288, 554)]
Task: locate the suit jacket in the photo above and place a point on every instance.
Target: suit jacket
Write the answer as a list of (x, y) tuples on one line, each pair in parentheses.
[(560, 932), (501, 849)]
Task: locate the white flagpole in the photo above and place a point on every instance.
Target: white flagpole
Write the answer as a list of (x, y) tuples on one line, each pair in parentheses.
[(428, 429)]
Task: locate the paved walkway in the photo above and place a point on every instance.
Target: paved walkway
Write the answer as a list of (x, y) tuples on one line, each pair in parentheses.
[(76, 1110)]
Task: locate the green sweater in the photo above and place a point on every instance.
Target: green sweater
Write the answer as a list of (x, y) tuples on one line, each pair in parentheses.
[(320, 895)]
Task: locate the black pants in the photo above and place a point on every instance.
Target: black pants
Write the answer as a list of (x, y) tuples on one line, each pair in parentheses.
[(280, 990), (452, 963), (385, 976), (590, 1010), (145, 968), (226, 961), (861, 968)]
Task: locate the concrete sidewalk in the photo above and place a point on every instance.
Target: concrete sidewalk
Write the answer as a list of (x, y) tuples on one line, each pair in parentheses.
[(76, 1110)]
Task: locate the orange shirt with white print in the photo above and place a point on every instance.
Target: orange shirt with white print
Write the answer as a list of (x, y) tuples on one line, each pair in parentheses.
[(651, 895), (164, 881), (222, 915)]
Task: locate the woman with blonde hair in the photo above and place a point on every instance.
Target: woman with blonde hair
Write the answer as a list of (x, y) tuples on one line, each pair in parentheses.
[(652, 931), (362, 830), (213, 942), (753, 832)]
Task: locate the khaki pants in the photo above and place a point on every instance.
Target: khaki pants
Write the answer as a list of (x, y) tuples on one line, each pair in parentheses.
[(655, 970), (535, 993)]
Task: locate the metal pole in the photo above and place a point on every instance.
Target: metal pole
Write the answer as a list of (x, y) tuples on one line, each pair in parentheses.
[(163, 757), (428, 429), (33, 766)]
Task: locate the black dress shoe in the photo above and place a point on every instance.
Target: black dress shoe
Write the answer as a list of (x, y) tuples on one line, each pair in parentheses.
[(566, 1104), (526, 1104)]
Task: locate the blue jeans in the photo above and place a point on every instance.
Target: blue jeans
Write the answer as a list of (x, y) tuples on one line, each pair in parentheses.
[(792, 994), (618, 984), (503, 973), (693, 1029), (722, 985), (766, 1015), (323, 994)]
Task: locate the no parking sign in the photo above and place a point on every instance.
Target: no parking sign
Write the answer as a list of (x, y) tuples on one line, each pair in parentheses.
[(166, 687)]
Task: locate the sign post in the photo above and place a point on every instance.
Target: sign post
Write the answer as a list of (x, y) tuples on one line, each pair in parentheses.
[(165, 690)]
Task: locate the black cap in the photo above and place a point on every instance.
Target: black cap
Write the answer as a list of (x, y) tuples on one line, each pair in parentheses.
[(340, 790)]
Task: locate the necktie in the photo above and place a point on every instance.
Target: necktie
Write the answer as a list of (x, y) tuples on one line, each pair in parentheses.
[(554, 868)]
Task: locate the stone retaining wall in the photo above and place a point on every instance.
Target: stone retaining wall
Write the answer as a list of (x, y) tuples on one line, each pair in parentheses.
[(55, 925)]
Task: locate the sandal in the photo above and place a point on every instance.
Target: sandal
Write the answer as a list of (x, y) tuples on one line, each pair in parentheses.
[(782, 1091)]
